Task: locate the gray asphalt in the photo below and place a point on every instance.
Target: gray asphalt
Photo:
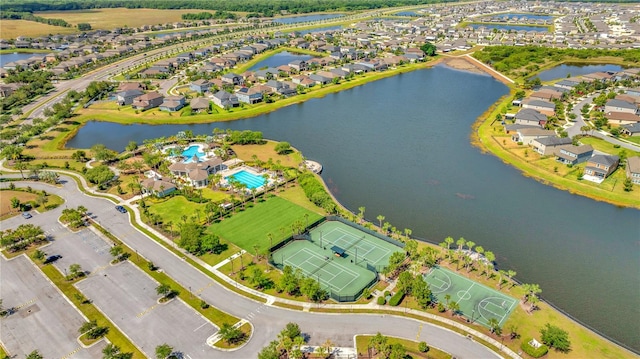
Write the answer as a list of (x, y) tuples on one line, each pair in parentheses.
[(45, 320), (267, 320)]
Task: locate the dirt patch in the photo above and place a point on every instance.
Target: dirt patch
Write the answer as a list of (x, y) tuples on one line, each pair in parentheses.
[(463, 65), (7, 195)]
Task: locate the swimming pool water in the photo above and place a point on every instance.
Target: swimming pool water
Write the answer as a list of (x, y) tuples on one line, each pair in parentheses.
[(190, 151), (251, 180)]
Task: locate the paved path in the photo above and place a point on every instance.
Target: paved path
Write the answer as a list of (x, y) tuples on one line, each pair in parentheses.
[(267, 319)]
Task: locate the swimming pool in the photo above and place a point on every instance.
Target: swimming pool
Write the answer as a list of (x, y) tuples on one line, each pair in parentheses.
[(248, 178), (190, 151)]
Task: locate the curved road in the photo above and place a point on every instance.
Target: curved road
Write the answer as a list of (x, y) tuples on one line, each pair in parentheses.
[(267, 320)]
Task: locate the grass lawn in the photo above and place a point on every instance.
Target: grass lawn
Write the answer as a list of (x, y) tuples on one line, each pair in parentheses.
[(174, 208), (213, 259), (634, 139), (10, 29), (216, 196), (250, 227), (267, 151), (362, 343), (604, 146), (5, 201), (295, 194)]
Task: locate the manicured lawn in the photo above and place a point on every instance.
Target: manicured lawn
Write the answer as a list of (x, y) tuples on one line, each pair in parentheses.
[(215, 196), (175, 207), (362, 343), (604, 146), (267, 151), (295, 194), (250, 227)]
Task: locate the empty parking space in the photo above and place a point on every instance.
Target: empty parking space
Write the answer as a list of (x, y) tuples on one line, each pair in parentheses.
[(44, 319), (128, 297), (83, 247)]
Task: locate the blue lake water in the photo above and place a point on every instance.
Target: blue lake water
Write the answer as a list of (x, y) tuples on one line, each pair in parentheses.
[(407, 13), (281, 58), (400, 147), (563, 71), (165, 34), (511, 27), (319, 29), (525, 16), (305, 18), (6, 58)]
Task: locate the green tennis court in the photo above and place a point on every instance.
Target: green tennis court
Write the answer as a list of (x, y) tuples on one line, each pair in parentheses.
[(358, 245), (477, 302), (339, 276)]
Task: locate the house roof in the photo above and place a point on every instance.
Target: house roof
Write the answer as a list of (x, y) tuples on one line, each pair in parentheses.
[(199, 103), (622, 104), (633, 164), (198, 175), (633, 128), (157, 185), (529, 114), (535, 131), (607, 160), (553, 141), (540, 103), (621, 116)]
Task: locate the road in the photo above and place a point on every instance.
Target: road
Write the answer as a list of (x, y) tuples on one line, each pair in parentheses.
[(267, 320), (580, 122)]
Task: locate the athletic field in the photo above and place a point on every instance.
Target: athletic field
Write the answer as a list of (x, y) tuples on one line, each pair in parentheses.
[(358, 246), (339, 276), (478, 303), (251, 227)]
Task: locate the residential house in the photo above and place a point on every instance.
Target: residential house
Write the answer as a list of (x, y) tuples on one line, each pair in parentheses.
[(225, 99), (531, 117), (199, 104), (546, 95), (616, 105), (157, 187), (125, 86), (572, 155), (266, 74), (633, 169), (319, 79), (233, 79), (298, 65), (126, 97), (7, 89), (600, 167), (147, 101), (280, 87), (200, 85), (173, 103), (249, 95), (545, 107), (547, 145), (528, 134), (631, 129)]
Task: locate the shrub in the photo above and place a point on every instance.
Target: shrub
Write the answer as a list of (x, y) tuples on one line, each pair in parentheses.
[(423, 347), (534, 352), (381, 301), (396, 299)]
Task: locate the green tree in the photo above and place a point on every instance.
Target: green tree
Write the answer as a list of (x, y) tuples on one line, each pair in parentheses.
[(271, 351), (163, 351), (429, 49), (15, 203), (230, 333), (555, 337), (283, 148), (132, 146), (421, 292), (405, 282), (290, 281), (423, 347), (75, 271), (163, 290), (34, 355), (84, 26), (39, 255), (102, 153), (628, 185), (99, 175)]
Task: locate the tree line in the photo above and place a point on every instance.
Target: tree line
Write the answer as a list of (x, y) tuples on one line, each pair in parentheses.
[(250, 6), (14, 15), (222, 15)]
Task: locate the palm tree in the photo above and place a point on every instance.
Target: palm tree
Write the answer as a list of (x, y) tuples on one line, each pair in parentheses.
[(480, 251), (502, 273), (407, 233), (380, 218), (490, 259), (449, 242), (511, 273), (361, 213), (470, 245), (454, 307), (461, 242), (21, 166)]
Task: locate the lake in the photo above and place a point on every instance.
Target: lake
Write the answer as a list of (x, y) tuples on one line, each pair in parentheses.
[(563, 71), (319, 29), (523, 16), (511, 27), (281, 58), (400, 147), (306, 18), (6, 58)]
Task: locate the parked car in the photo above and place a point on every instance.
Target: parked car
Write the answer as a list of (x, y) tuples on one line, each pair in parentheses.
[(121, 209), (53, 258), (26, 215)]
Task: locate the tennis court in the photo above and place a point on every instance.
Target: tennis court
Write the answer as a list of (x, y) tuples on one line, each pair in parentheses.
[(358, 245), (477, 302), (339, 276)]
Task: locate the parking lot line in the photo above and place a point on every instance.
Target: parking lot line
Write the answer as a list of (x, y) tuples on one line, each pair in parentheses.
[(25, 304), (203, 288), (203, 324), (73, 352), (146, 311)]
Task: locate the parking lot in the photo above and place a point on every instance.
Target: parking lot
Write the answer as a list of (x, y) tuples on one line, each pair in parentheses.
[(44, 319), (84, 247), (128, 297)]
